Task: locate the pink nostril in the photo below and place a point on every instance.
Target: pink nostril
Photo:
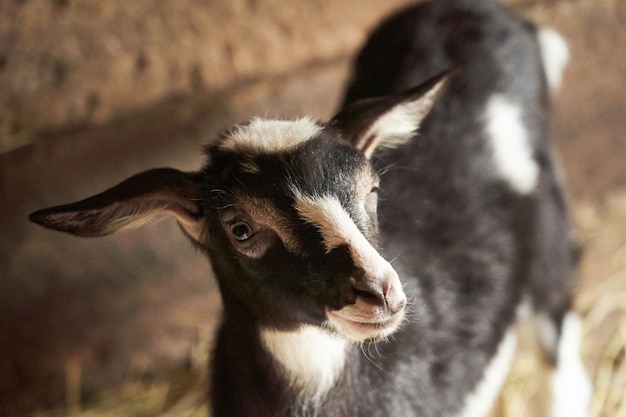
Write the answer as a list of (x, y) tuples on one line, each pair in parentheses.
[(370, 291), (381, 294)]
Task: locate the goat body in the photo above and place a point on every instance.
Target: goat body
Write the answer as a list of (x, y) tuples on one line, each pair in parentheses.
[(316, 321)]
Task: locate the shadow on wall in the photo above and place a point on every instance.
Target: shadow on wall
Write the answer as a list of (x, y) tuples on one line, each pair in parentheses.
[(102, 303)]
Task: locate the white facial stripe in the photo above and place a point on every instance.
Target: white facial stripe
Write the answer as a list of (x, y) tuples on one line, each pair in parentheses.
[(512, 150), (338, 228), (328, 215), (311, 359), (479, 402), (268, 136)]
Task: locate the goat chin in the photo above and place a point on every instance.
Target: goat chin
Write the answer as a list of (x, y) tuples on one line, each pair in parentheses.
[(356, 327)]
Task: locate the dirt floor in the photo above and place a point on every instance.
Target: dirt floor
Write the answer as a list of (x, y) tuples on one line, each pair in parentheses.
[(101, 328)]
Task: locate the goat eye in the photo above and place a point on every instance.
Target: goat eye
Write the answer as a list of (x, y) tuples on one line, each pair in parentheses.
[(241, 231)]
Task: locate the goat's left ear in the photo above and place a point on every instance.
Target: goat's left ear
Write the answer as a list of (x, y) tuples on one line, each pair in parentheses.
[(130, 204), (389, 121)]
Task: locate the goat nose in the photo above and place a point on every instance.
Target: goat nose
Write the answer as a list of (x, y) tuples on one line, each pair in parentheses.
[(383, 293), (370, 291)]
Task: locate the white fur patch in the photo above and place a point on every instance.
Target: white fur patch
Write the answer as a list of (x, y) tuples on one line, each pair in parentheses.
[(327, 213), (269, 136), (310, 358), (512, 150), (479, 402), (571, 387), (555, 56), (338, 228)]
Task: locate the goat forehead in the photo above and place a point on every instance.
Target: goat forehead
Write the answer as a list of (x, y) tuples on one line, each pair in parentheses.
[(269, 136), (325, 167), (320, 165)]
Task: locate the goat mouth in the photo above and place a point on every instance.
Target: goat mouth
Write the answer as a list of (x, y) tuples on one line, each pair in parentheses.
[(361, 330)]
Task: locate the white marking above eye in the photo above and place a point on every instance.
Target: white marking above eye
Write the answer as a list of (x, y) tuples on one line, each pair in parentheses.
[(270, 136)]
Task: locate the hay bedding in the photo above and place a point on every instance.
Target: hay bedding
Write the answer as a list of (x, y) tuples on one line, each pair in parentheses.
[(601, 299)]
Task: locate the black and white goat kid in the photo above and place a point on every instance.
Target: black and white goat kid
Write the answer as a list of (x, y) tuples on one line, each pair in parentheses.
[(470, 211)]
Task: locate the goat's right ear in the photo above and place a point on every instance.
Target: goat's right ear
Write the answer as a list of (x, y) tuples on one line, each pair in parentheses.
[(390, 121), (131, 204)]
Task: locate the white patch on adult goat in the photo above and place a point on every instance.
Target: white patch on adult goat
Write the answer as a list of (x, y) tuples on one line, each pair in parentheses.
[(311, 359), (571, 388), (268, 136), (554, 55), (479, 402), (511, 147)]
